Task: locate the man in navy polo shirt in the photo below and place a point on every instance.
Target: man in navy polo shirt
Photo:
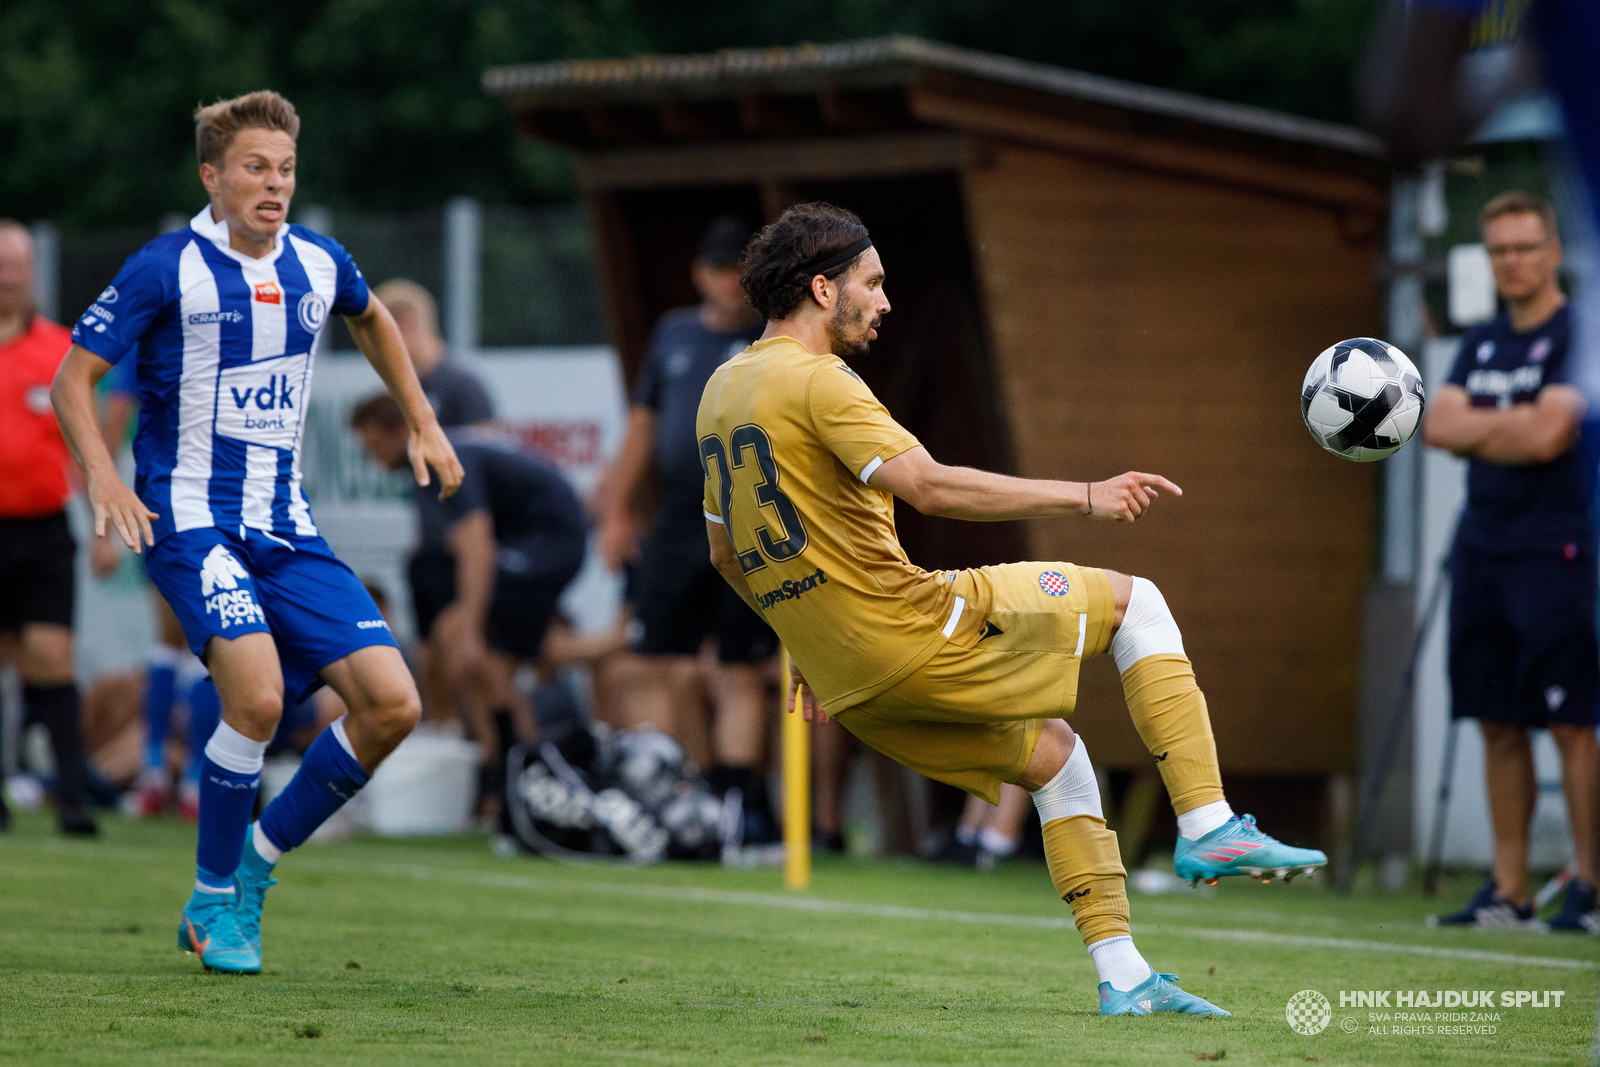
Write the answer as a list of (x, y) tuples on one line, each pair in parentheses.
[(1522, 609)]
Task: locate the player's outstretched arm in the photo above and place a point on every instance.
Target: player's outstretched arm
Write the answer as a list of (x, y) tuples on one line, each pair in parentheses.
[(1516, 436), (114, 504), (964, 493), (379, 339)]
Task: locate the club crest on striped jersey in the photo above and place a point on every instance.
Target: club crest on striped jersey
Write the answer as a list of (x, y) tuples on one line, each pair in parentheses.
[(268, 293), (1054, 583), (312, 311)]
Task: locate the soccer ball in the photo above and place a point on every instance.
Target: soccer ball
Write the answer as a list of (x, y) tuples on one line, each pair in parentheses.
[(1362, 399)]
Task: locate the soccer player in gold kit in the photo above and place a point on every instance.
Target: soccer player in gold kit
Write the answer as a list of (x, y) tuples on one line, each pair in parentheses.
[(964, 676)]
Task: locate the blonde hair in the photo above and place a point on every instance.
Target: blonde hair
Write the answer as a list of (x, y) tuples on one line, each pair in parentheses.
[(216, 125), (1517, 202), (403, 294)]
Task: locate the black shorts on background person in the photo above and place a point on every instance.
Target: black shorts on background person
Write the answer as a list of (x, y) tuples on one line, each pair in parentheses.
[(517, 533)]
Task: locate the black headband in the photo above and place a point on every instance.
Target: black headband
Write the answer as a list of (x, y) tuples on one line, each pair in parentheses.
[(844, 255)]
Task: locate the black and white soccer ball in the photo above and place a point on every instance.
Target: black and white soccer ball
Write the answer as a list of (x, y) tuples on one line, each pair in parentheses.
[(1362, 399)]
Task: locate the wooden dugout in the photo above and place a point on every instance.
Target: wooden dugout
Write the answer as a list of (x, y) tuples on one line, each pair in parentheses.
[(1088, 276)]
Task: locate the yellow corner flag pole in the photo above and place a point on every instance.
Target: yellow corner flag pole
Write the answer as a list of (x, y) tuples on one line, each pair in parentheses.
[(796, 788)]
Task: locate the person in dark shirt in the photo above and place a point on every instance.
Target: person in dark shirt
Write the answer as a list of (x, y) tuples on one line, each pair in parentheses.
[(1523, 649), (460, 399), (517, 532), (678, 595)]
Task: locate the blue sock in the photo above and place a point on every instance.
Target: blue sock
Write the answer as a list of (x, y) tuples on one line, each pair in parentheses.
[(160, 686), (205, 712), (328, 776), (229, 774)]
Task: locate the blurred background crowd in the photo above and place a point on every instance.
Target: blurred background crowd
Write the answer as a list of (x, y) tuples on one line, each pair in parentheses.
[(1116, 233)]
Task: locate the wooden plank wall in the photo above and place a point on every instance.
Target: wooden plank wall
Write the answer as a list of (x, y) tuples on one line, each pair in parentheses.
[(1151, 322)]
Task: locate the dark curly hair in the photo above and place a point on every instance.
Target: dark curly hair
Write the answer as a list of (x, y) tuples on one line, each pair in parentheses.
[(774, 275)]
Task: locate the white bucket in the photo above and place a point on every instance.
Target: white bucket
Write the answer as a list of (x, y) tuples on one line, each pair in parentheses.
[(426, 786)]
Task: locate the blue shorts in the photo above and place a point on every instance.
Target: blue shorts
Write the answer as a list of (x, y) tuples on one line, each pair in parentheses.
[(223, 585), (1522, 638)]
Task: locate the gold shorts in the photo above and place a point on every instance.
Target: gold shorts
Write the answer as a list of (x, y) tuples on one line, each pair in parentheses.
[(970, 715)]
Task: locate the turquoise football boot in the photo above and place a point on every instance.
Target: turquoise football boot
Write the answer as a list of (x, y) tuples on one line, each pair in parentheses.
[(1237, 847), (254, 879), (210, 930), (1159, 992)]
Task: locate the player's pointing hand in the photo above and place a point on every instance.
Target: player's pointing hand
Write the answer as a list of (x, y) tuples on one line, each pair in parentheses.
[(429, 447), (1127, 496)]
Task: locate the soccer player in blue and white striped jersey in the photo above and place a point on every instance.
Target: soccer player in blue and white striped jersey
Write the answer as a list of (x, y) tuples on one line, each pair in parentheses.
[(221, 319)]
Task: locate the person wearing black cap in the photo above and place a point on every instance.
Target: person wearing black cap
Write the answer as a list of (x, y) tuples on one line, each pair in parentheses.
[(679, 597)]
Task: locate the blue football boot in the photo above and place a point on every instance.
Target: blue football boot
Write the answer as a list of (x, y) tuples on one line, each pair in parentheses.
[(1237, 847), (254, 878), (1159, 992), (210, 930)]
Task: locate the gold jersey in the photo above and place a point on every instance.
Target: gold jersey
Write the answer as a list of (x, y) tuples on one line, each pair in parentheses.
[(788, 439)]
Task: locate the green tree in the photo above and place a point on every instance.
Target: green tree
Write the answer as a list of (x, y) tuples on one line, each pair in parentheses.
[(95, 95)]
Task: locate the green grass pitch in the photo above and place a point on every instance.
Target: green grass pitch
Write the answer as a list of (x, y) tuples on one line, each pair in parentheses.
[(433, 952)]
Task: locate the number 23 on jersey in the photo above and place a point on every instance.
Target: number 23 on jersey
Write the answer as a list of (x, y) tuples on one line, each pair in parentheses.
[(746, 459)]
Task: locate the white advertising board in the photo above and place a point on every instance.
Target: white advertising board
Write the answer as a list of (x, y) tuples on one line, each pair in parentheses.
[(568, 404)]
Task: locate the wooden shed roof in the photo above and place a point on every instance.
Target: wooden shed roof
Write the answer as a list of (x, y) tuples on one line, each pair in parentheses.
[(883, 63)]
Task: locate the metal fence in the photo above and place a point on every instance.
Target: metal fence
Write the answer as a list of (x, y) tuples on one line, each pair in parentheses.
[(506, 276)]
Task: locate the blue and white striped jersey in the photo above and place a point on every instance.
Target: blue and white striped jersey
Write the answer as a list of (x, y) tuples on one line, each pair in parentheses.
[(223, 345)]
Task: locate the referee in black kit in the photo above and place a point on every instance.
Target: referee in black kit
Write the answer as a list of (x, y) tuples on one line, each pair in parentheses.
[(1522, 607)]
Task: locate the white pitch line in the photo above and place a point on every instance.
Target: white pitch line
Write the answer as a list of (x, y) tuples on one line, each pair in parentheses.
[(690, 894)]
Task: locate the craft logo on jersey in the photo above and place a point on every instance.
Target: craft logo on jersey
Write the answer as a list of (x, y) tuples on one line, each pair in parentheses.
[(313, 311), (220, 574), (1054, 583), (260, 402), (268, 293)]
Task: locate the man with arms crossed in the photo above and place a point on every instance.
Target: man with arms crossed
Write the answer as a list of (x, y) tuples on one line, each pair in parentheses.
[(222, 317), (1522, 604), (961, 675)]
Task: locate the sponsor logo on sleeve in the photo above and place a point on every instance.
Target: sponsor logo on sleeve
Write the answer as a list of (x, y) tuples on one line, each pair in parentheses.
[(108, 295), (103, 312), (312, 311), (268, 293)]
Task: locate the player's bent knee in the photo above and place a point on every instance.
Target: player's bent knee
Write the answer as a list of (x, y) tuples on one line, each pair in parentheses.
[(258, 712), (1049, 754), (1148, 628)]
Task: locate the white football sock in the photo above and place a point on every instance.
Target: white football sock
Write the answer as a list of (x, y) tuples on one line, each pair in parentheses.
[(1119, 963), (996, 843), (1148, 628), (264, 848), (233, 751), (1198, 822), (1073, 791), (201, 887)]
